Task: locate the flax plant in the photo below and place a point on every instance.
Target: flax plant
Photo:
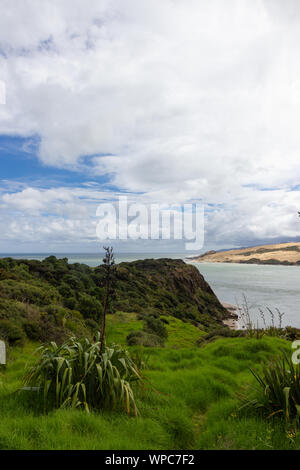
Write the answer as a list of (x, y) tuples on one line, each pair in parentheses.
[(277, 389), (76, 375)]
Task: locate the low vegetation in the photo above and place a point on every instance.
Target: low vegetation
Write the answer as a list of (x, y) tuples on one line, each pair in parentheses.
[(278, 389), (78, 374), (154, 332), (268, 323), (190, 400), (202, 386)]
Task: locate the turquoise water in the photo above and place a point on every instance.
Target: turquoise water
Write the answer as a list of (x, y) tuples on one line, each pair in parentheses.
[(263, 286)]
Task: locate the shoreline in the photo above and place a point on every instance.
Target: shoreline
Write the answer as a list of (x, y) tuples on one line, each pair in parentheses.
[(233, 321), (285, 254), (191, 260)]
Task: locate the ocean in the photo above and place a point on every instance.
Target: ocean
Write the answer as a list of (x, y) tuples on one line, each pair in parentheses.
[(262, 285)]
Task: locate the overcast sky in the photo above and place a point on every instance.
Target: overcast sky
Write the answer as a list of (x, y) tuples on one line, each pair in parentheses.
[(165, 100)]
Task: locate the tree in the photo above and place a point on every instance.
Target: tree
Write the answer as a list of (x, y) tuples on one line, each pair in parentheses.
[(109, 266)]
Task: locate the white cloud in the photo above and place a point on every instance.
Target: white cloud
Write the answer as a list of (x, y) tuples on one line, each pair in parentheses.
[(188, 100), (63, 217)]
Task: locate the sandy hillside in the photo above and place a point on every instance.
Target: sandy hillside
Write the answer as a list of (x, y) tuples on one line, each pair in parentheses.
[(282, 253)]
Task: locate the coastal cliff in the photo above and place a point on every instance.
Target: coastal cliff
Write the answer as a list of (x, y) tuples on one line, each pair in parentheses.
[(169, 286), (51, 299)]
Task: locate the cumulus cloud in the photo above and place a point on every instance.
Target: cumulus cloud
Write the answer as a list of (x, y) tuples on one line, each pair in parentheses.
[(64, 217), (177, 100)]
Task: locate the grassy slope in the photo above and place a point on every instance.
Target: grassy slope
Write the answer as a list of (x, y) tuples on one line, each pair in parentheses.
[(180, 334), (192, 403)]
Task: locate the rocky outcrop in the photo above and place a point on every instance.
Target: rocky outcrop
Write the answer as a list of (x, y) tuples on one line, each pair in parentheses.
[(169, 286), (48, 299)]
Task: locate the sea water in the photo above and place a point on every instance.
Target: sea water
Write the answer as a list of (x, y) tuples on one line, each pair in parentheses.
[(276, 287)]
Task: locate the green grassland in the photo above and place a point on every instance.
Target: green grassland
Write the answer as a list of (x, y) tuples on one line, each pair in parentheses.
[(190, 396), (180, 334), (189, 400)]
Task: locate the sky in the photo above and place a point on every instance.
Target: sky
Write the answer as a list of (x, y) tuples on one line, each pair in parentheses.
[(164, 101)]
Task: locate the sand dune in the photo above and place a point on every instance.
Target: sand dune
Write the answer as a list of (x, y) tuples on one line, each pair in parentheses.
[(281, 253)]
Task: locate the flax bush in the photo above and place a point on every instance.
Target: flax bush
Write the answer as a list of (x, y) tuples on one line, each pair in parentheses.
[(76, 375), (277, 390)]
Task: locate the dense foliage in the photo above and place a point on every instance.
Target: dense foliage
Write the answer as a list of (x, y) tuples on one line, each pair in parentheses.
[(50, 300)]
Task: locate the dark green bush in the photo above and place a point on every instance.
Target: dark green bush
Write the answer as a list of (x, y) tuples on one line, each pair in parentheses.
[(74, 282), (70, 302), (291, 333), (142, 338), (14, 310), (11, 332), (90, 307), (155, 326), (31, 293), (92, 324), (50, 331), (57, 312), (65, 290), (33, 329)]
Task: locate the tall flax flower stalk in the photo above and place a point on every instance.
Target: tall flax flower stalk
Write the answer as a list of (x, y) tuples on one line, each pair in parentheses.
[(109, 265)]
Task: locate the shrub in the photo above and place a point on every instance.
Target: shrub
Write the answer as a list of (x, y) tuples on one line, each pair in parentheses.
[(76, 327), (14, 310), (142, 338), (291, 333), (75, 375), (70, 302), (155, 326), (65, 290), (222, 332), (50, 331), (11, 332), (90, 307), (73, 282), (25, 292), (278, 388), (33, 330), (56, 312), (91, 324)]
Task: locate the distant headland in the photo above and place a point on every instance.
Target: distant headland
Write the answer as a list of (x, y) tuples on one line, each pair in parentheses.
[(282, 253)]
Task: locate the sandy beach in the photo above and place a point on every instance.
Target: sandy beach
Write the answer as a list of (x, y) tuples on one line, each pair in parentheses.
[(233, 323)]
